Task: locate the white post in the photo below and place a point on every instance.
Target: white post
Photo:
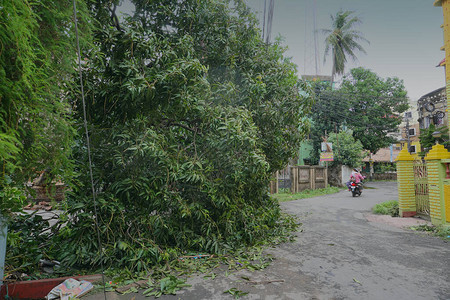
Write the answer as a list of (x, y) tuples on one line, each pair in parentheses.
[(3, 233)]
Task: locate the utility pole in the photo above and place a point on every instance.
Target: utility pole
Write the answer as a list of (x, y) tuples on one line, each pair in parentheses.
[(269, 20), (316, 45), (264, 20), (407, 133)]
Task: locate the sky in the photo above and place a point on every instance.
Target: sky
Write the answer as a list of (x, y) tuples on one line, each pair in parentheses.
[(405, 37)]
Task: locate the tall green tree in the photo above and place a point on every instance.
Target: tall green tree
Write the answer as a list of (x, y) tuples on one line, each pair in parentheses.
[(343, 40), (375, 107), (427, 140), (328, 115), (347, 150)]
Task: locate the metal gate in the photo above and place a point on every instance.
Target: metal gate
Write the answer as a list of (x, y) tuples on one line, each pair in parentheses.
[(421, 187), (284, 179)]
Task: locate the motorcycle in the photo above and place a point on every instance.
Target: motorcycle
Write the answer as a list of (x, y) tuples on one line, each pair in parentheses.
[(356, 188)]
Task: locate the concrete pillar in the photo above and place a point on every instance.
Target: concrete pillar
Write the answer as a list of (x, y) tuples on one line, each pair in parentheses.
[(405, 181), (444, 215), (436, 176)]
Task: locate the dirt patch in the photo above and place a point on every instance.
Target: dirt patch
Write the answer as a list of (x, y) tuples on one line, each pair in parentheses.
[(396, 221)]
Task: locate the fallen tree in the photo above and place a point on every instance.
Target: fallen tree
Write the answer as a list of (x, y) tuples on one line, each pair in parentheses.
[(189, 113)]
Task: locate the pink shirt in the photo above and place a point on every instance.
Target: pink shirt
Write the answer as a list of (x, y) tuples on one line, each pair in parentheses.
[(358, 177)]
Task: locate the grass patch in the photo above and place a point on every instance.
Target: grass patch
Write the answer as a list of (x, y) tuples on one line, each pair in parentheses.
[(440, 231), (286, 196), (386, 208)]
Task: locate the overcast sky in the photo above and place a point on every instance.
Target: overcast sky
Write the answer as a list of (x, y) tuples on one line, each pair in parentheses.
[(405, 37)]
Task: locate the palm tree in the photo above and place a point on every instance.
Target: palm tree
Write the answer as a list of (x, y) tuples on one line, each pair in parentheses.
[(343, 40)]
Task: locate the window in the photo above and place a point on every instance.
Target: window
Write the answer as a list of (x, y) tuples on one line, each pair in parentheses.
[(408, 115), (438, 118), (426, 122), (412, 132), (412, 149)]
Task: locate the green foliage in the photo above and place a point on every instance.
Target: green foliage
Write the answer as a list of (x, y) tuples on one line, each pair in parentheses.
[(343, 40), (186, 126), (375, 106), (36, 63), (168, 286), (440, 231), (28, 241), (387, 208), (235, 293), (427, 140), (384, 167), (347, 151), (365, 104), (283, 197), (328, 114), (13, 199)]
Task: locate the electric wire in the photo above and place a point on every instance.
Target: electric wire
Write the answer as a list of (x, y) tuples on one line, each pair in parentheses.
[(88, 145), (345, 117)]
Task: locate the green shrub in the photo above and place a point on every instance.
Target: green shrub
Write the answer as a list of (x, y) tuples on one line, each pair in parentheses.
[(440, 231), (387, 208)]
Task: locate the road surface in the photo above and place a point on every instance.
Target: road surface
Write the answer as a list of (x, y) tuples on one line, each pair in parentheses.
[(340, 255)]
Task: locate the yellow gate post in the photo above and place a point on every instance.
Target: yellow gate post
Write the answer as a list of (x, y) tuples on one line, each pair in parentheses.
[(445, 4), (436, 176), (405, 181)]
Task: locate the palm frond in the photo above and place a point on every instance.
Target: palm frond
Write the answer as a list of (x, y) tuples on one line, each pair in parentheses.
[(343, 40)]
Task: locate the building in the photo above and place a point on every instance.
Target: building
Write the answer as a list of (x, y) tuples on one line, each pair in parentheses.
[(432, 108), (410, 129)]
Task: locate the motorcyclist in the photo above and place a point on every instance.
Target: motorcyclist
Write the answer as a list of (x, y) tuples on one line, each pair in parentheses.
[(355, 177)]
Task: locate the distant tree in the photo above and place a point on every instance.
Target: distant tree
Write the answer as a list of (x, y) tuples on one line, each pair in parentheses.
[(329, 114), (346, 149), (427, 140), (375, 107), (343, 40)]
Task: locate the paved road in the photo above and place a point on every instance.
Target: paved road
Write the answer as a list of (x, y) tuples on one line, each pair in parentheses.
[(341, 255)]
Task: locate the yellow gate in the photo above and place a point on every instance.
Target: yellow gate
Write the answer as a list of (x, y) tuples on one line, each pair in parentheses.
[(421, 187)]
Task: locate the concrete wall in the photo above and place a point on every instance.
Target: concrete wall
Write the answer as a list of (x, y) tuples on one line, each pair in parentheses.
[(346, 172)]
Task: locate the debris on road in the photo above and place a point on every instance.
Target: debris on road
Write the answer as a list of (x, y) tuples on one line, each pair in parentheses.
[(197, 256), (69, 289), (265, 281), (139, 284)]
